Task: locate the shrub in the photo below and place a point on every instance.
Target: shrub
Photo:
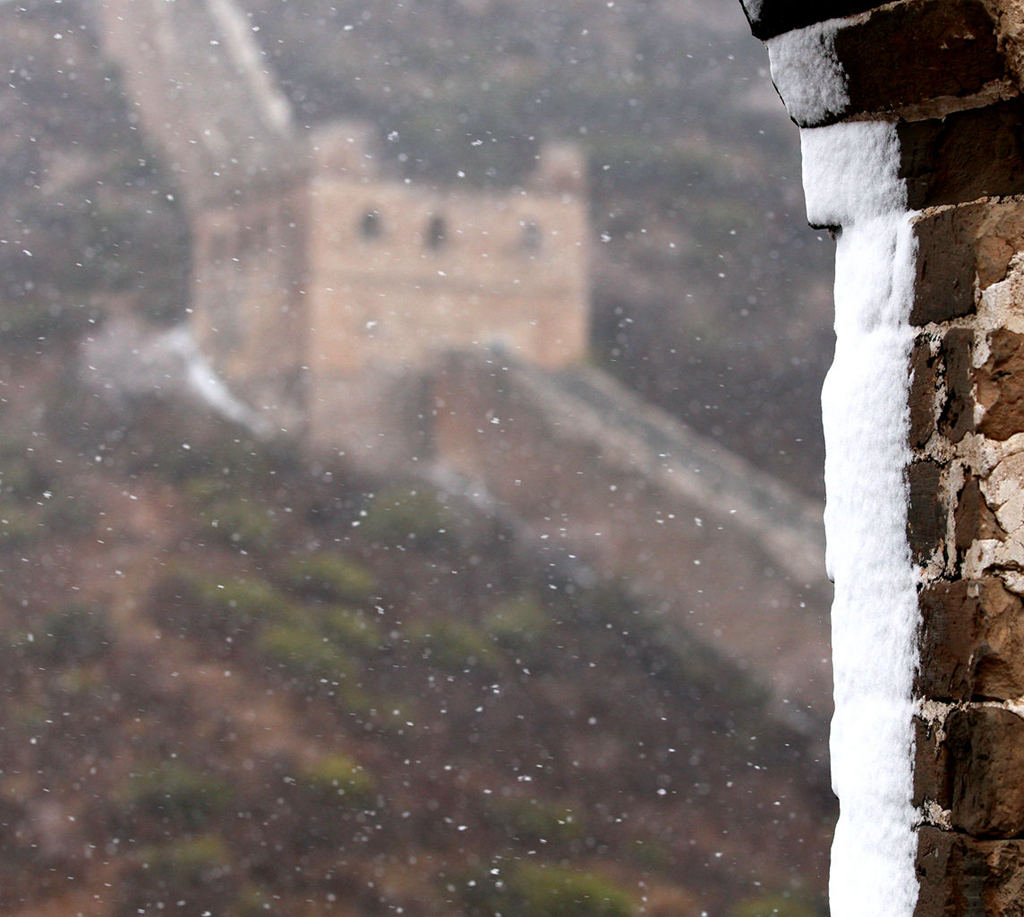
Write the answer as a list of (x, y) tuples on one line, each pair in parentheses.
[(206, 489), (21, 476), (415, 514), (330, 577), (205, 452), (252, 902), (242, 599), (201, 603), (77, 633), (20, 528), (177, 793), (517, 623), (188, 862), (533, 819), (337, 777), (195, 873), (389, 714), (303, 651), (354, 630), (228, 511), (69, 516), (243, 522), (454, 645), (553, 891)]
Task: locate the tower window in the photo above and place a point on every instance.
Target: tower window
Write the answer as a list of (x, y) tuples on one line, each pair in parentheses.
[(531, 238), (371, 226), (437, 232)]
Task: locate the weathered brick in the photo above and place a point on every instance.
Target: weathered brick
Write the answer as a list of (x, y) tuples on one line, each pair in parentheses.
[(961, 876), (907, 53), (926, 517), (922, 393), (895, 56), (986, 757), (970, 643), (973, 517), (944, 285), (957, 246), (964, 156), (773, 17), (931, 765), (949, 632), (997, 228), (1000, 385), (939, 865), (957, 417)]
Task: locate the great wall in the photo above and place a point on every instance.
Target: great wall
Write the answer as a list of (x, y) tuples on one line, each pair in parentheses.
[(931, 90), (317, 280), (443, 333), (935, 84)]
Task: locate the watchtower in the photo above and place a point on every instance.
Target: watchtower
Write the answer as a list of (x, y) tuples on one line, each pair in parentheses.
[(318, 282), (400, 273)]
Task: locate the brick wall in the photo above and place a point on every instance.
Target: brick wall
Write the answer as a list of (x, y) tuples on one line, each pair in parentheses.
[(946, 76)]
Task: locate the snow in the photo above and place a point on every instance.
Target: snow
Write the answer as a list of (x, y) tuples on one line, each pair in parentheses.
[(128, 359), (244, 52), (807, 72), (753, 8), (851, 173), (204, 382), (850, 177)]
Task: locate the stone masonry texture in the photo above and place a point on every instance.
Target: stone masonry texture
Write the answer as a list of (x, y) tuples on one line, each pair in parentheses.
[(948, 75)]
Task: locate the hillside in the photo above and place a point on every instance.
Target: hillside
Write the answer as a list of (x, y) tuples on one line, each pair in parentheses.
[(233, 678), (241, 681)]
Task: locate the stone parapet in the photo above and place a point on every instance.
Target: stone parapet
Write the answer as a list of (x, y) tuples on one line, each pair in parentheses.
[(941, 79)]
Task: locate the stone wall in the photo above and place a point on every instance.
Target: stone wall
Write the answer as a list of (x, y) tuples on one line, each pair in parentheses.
[(945, 78), (730, 554)]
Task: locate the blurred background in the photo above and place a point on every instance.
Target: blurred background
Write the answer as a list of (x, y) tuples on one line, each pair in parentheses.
[(556, 647)]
